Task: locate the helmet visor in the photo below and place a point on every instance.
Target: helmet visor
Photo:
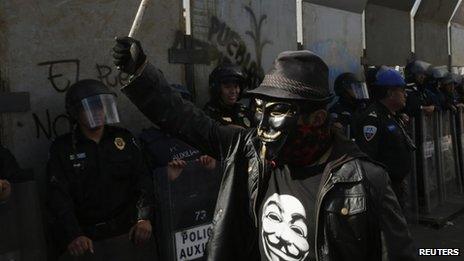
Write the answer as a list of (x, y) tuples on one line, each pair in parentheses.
[(359, 90), (100, 110)]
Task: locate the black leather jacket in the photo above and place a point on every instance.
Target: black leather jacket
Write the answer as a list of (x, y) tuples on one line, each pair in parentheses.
[(358, 216)]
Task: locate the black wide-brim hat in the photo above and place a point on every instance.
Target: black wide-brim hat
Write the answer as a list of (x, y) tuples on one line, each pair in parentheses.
[(297, 75)]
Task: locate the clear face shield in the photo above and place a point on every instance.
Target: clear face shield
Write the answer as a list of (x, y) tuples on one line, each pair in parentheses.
[(359, 91), (99, 110)]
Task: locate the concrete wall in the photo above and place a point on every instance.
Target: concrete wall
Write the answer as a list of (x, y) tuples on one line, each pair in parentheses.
[(431, 42), (457, 37), (250, 33), (431, 30), (356, 6), (48, 45), (336, 36), (388, 35)]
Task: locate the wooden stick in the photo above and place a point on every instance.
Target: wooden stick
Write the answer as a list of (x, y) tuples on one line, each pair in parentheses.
[(138, 18)]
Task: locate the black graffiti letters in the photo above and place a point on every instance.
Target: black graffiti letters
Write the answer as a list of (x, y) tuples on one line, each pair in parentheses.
[(104, 74), (53, 127), (61, 85)]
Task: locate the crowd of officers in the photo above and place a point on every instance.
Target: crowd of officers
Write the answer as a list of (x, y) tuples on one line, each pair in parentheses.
[(100, 186)]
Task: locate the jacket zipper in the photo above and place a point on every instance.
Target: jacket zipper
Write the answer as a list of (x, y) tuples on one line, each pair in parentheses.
[(325, 189), (257, 191)]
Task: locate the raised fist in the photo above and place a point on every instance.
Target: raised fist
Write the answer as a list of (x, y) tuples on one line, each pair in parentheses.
[(128, 54)]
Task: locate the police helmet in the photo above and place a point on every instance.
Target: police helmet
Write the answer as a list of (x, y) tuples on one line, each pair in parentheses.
[(415, 68), (81, 90), (225, 73)]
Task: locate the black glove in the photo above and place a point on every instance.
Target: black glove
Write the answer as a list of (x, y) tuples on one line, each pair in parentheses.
[(128, 54)]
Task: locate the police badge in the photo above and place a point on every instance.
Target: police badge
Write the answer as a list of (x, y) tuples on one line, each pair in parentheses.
[(369, 132), (119, 143)]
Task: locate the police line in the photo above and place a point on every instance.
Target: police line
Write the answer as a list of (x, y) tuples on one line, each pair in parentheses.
[(438, 175)]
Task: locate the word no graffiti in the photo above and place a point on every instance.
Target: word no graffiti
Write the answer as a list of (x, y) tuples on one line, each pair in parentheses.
[(191, 243)]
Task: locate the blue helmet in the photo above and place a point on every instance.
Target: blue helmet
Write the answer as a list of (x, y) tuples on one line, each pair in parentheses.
[(389, 77)]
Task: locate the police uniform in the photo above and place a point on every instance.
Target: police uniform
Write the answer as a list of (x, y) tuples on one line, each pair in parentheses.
[(237, 114), (346, 115), (416, 98), (383, 136), (98, 190)]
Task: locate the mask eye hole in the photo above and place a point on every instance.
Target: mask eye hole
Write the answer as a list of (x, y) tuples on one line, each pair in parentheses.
[(282, 109), (297, 230), (274, 217)]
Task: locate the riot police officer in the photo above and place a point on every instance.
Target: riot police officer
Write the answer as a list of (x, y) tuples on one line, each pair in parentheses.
[(226, 85), (99, 186), (419, 98), (435, 77), (382, 133), (352, 95), (448, 87)]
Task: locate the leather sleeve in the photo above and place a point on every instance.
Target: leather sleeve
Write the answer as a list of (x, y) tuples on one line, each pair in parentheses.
[(154, 97), (392, 222)]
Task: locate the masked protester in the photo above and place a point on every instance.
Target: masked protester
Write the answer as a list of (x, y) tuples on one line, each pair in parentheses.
[(99, 187), (382, 132), (352, 96), (226, 85), (419, 98), (9, 169), (292, 189)]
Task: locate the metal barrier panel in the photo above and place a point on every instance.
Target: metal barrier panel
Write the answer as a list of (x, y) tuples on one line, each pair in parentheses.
[(449, 168), (428, 183)]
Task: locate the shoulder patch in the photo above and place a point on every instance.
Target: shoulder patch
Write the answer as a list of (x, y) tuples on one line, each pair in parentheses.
[(369, 132)]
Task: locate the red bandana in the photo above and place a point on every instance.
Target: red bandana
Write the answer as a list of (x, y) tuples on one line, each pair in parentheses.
[(307, 145)]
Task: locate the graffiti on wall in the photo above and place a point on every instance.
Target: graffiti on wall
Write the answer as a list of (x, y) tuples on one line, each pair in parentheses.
[(61, 74), (224, 44)]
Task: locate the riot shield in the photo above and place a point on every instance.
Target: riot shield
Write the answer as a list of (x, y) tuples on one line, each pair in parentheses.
[(428, 183), (412, 211), (448, 156), (187, 207), (186, 197)]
